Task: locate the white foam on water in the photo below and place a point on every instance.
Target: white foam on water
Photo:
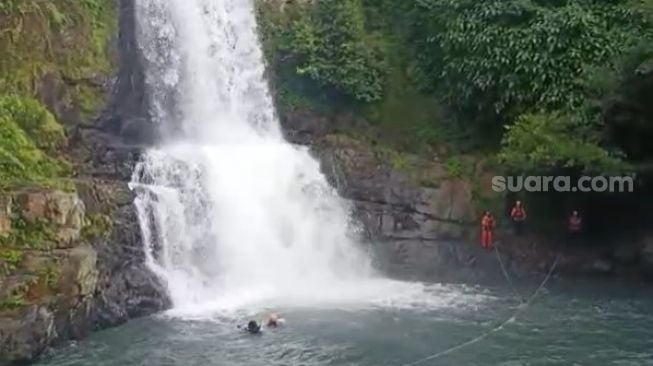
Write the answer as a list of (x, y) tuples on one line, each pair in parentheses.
[(233, 216), (362, 295)]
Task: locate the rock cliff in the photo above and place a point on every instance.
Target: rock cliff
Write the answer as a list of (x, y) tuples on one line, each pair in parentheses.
[(71, 255), (421, 213)]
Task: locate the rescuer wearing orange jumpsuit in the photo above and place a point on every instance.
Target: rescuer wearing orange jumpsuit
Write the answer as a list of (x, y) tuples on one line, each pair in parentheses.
[(487, 230), (518, 216), (575, 226)]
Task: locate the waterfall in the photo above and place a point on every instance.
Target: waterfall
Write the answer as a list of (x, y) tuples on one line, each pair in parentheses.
[(231, 214)]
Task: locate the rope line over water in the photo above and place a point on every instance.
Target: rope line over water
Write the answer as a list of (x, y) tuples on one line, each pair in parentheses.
[(522, 306), (521, 298)]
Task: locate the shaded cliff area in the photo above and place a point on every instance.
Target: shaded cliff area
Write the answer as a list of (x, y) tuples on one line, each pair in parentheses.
[(420, 214)]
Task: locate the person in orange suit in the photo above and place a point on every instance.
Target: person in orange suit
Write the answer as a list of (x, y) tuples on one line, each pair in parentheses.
[(487, 230), (518, 216), (575, 223), (575, 226)]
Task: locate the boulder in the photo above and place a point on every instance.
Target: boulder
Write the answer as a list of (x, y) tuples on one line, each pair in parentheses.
[(139, 130), (126, 288), (60, 208), (25, 335), (414, 200), (104, 196), (62, 211), (305, 127), (79, 273), (62, 292)]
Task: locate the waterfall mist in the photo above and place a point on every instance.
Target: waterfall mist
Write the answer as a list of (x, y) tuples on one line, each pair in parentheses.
[(231, 214)]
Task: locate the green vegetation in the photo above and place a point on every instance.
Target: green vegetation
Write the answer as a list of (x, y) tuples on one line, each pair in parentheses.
[(528, 81), (97, 226), (39, 124), (328, 44), (29, 139), (29, 235), (66, 39), (49, 276), (504, 58), (538, 142), (10, 260), (51, 50), (455, 167), (16, 297), (14, 301)]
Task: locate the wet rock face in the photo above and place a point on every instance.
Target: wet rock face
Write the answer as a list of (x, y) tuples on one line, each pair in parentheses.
[(127, 117), (22, 333), (419, 218), (397, 202), (126, 288), (64, 212), (422, 221), (60, 277), (48, 274)]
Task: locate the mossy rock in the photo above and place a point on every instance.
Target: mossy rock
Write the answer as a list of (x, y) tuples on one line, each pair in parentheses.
[(52, 277), (35, 120), (13, 290), (63, 41), (10, 260), (29, 139), (25, 235), (97, 226)]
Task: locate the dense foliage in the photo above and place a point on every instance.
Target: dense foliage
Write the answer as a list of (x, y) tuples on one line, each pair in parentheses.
[(52, 50), (36, 121), (65, 40), (328, 44), (514, 56), (29, 135), (549, 141), (536, 79)]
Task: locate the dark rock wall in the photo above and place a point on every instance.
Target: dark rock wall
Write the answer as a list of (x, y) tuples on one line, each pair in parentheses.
[(422, 222), (127, 115)]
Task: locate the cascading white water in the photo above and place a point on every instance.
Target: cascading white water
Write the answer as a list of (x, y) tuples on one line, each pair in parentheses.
[(227, 207), (231, 214)]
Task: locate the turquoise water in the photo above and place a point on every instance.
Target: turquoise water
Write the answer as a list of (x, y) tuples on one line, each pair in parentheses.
[(567, 325)]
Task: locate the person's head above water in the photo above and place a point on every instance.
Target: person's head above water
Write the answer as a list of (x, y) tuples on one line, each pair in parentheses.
[(253, 327)]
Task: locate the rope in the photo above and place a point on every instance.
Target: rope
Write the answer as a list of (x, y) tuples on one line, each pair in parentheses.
[(521, 298), (523, 306)]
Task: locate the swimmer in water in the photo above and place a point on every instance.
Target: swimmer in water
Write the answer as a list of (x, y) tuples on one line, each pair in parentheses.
[(273, 320), (252, 327)]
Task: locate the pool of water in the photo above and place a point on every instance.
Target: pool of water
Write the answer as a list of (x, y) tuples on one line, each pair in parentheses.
[(575, 324)]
